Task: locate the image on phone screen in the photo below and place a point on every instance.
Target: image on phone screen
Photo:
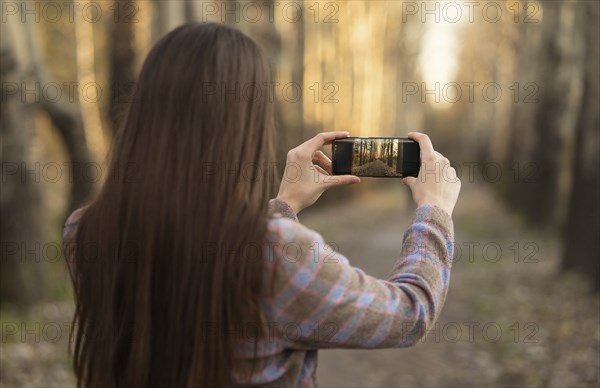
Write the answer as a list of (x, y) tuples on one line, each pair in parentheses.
[(376, 157)]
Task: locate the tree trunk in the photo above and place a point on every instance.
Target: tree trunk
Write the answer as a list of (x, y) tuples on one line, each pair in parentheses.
[(547, 70), (541, 197), (582, 233), (294, 123), (122, 64), (22, 226), (169, 15)]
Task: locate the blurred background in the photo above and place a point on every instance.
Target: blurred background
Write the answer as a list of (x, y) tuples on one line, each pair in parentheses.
[(507, 90)]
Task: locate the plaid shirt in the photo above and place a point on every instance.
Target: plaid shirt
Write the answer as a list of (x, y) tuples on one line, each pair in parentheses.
[(321, 301)]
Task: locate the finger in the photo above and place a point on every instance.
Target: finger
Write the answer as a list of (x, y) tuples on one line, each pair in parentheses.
[(321, 139), (444, 160), (322, 157), (323, 160), (321, 170), (424, 143), (409, 180), (341, 180), (452, 175)]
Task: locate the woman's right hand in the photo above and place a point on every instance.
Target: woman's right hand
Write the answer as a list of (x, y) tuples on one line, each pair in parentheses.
[(312, 180), (437, 183)]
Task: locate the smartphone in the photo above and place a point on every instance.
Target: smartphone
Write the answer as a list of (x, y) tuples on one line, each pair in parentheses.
[(378, 157)]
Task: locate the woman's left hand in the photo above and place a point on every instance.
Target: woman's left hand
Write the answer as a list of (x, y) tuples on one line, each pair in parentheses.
[(308, 172)]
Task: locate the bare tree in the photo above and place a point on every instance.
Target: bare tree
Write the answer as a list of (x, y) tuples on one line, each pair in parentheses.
[(122, 59), (555, 64), (22, 226), (582, 232), (547, 72), (169, 15)]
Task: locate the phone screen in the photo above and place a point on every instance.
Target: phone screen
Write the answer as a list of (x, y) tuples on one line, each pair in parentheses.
[(390, 157)]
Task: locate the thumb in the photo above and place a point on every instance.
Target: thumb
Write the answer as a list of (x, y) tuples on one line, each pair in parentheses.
[(409, 181), (341, 180)]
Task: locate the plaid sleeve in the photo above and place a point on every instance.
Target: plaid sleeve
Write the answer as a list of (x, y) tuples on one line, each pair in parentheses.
[(321, 301)]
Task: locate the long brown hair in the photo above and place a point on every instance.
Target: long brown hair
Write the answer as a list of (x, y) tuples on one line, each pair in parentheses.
[(162, 267)]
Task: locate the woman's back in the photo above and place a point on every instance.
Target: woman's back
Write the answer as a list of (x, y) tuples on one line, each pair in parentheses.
[(320, 301)]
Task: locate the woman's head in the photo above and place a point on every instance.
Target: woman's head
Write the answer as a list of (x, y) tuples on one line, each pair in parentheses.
[(178, 228)]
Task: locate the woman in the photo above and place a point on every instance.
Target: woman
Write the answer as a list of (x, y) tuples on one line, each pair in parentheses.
[(185, 274)]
